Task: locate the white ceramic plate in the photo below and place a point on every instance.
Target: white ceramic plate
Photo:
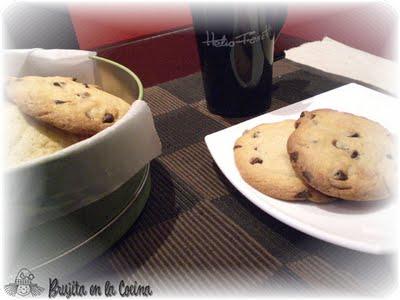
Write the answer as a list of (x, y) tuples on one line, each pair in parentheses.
[(367, 227)]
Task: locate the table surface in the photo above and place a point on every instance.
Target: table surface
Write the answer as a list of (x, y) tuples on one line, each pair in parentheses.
[(198, 234)]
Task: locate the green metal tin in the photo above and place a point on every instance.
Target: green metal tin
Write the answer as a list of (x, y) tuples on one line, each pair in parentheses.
[(63, 245)]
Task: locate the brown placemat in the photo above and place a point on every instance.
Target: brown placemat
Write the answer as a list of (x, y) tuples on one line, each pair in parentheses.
[(199, 235)]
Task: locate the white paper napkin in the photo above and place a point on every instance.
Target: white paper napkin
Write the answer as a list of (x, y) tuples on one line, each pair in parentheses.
[(331, 56)]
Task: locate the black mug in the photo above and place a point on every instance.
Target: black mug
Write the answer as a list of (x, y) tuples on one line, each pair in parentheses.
[(236, 50)]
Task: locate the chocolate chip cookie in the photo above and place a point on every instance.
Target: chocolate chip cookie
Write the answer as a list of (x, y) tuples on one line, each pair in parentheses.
[(28, 138), (62, 102), (263, 162), (343, 155)]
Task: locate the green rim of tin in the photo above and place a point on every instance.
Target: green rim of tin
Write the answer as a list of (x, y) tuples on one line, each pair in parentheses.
[(132, 74)]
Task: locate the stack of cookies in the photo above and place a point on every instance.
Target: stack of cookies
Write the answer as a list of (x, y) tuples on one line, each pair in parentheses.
[(47, 114), (323, 156)]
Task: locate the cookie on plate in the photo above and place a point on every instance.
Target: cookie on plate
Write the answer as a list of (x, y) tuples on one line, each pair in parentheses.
[(263, 162), (343, 155), (64, 103), (28, 138)]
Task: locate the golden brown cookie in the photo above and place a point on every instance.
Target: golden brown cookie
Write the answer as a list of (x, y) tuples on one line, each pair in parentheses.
[(263, 162), (64, 103), (28, 138), (343, 155)]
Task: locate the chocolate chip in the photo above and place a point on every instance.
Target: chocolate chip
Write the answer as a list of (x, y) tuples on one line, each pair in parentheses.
[(354, 135), (296, 125), (255, 148), (59, 84), (340, 175), (354, 154), (59, 101), (237, 146), (86, 85), (74, 79), (302, 114), (389, 156), (313, 116), (307, 175), (303, 195), (256, 160), (334, 142), (294, 156), (256, 134), (108, 118)]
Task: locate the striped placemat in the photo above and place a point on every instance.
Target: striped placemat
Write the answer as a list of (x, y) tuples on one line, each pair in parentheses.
[(198, 235)]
